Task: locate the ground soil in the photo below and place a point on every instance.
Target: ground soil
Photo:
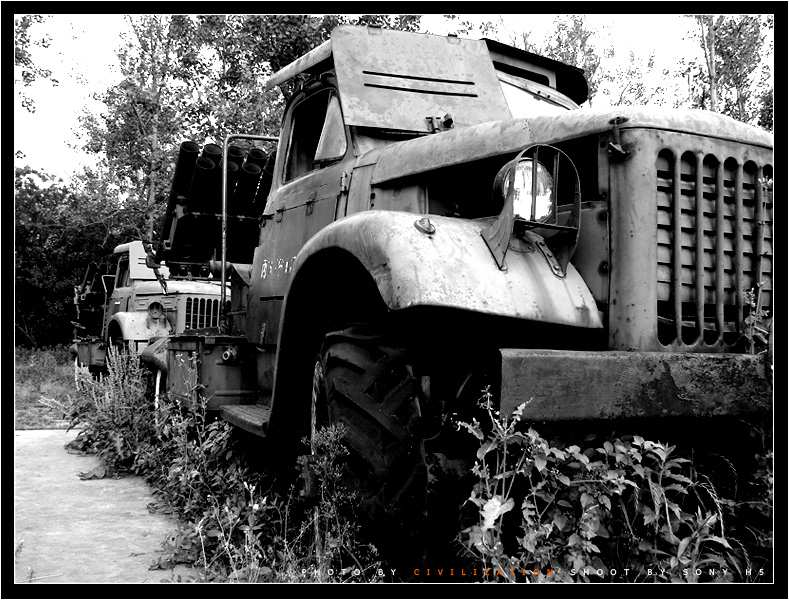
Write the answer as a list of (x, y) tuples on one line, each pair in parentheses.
[(67, 530)]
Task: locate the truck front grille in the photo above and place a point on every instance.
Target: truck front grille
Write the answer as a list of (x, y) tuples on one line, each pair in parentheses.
[(201, 313), (714, 246)]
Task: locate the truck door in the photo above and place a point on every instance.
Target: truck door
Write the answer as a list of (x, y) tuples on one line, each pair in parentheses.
[(311, 173), (118, 290)]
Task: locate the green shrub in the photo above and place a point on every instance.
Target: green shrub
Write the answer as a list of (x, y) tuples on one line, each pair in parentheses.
[(630, 510)]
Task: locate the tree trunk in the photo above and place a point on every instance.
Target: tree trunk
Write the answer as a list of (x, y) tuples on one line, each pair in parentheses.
[(713, 74), (707, 27)]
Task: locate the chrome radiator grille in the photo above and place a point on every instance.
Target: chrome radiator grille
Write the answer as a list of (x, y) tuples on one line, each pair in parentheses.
[(201, 313), (714, 246)]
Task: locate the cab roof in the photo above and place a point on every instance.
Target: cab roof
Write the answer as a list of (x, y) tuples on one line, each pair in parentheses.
[(395, 79), (138, 269)]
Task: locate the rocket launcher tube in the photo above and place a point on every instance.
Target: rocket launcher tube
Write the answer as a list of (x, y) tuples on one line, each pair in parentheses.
[(248, 180), (201, 185), (228, 139), (185, 164)]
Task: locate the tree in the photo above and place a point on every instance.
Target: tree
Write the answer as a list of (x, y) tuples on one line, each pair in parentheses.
[(58, 232), (766, 108), (158, 59), (632, 82), (198, 77), (733, 48), (26, 70), (708, 26), (571, 43)]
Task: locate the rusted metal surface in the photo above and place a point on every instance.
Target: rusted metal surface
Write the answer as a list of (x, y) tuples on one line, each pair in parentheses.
[(301, 64), (591, 257), (454, 268), (565, 78), (565, 385), (223, 365), (460, 146), (396, 79)]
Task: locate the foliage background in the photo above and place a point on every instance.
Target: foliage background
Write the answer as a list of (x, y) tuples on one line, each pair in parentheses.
[(200, 77)]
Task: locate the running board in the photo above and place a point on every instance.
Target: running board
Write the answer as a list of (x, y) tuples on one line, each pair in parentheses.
[(253, 418)]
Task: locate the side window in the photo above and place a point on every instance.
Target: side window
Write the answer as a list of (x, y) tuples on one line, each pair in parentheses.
[(122, 277), (332, 143), (317, 136)]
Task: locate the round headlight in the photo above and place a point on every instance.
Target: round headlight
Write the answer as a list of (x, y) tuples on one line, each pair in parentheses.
[(155, 310), (522, 203)]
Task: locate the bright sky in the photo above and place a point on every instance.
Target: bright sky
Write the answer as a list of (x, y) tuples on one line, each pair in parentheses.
[(82, 57)]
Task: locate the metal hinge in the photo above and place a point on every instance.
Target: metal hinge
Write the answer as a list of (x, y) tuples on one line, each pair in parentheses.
[(310, 203), (436, 124), (344, 180), (616, 150), (552, 262)]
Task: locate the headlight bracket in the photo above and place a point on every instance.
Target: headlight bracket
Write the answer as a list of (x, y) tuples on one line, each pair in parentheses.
[(557, 236)]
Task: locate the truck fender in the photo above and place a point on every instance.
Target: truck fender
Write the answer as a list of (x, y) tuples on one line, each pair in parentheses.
[(137, 326), (453, 268)]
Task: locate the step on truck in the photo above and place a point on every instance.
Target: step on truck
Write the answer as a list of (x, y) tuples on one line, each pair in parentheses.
[(437, 217)]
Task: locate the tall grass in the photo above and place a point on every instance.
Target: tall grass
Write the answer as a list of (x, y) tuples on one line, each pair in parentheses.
[(237, 524), (43, 387)]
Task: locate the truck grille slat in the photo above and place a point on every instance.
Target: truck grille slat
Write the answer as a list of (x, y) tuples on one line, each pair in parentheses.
[(759, 225), (201, 313), (738, 274), (699, 250), (720, 219), (676, 274), (714, 244)]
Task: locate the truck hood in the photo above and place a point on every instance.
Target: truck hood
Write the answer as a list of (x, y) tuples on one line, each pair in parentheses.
[(176, 287), (458, 146)]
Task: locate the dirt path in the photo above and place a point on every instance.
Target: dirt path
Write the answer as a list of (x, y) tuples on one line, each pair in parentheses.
[(69, 530)]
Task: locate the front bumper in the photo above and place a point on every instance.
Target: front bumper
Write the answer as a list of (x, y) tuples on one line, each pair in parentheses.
[(559, 385)]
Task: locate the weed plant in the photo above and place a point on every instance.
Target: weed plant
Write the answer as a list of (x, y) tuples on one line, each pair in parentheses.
[(626, 509)]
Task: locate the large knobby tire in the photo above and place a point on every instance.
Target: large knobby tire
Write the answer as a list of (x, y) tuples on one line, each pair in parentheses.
[(365, 383)]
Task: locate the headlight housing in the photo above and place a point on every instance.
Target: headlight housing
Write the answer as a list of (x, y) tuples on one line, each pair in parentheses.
[(526, 188), (155, 310), (540, 194)]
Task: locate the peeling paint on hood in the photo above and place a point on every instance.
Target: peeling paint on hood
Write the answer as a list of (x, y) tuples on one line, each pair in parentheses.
[(493, 138)]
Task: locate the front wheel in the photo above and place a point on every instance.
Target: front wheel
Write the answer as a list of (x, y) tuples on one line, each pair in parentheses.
[(364, 384)]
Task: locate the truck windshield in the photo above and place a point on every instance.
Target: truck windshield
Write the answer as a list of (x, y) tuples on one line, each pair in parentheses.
[(527, 98)]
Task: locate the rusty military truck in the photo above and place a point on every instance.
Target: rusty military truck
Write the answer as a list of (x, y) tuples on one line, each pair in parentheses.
[(439, 217), (135, 304)]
